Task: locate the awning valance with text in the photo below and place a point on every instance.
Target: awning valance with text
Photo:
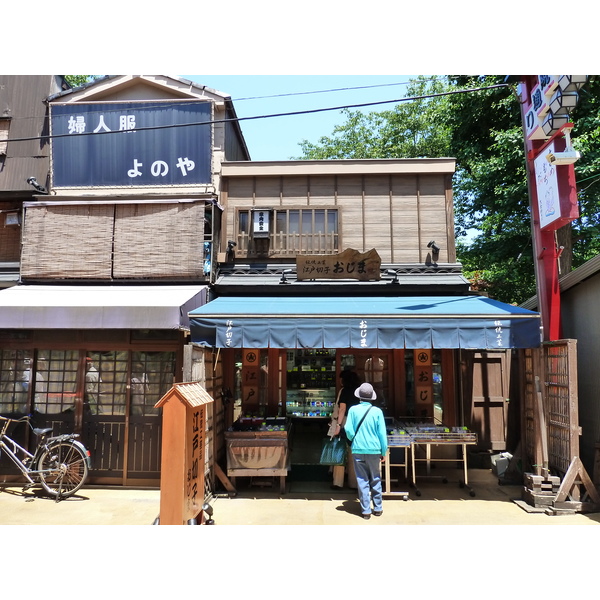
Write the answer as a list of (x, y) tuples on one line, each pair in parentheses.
[(370, 322)]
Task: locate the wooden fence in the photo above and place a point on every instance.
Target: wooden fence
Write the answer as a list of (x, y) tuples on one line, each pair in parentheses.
[(550, 425)]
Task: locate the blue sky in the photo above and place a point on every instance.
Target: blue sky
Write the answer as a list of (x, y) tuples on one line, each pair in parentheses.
[(278, 138)]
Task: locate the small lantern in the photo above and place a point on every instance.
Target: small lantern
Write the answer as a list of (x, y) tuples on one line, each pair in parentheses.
[(563, 103), (571, 83), (552, 123), (12, 218)]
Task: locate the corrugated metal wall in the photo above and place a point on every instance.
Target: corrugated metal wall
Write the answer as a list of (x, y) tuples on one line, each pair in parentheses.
[(22, 100), (580, 313)]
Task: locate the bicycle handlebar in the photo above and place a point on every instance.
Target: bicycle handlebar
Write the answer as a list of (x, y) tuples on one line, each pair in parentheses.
[(23, 418)]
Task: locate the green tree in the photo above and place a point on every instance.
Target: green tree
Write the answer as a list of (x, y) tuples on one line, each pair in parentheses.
[(412, 129), (491, 201), (77, 80), (483, 131), (585, 231), (491, 195)]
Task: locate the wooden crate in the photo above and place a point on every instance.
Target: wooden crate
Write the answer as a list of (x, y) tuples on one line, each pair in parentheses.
[(540, 485), (537, 499)]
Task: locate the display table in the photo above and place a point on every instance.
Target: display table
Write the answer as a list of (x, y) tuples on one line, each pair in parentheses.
[(258, 454), (427, 437), (402, 441)]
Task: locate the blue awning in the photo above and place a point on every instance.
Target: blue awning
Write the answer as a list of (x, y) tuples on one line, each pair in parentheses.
[(369, 322)]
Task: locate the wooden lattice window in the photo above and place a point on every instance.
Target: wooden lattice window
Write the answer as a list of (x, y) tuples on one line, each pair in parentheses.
[(291, 232), (15, 373), (55, 384)]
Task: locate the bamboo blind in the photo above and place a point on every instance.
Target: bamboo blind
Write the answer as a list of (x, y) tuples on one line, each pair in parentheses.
[(106, 241), (67, 242), (10, 236), (164, 241)]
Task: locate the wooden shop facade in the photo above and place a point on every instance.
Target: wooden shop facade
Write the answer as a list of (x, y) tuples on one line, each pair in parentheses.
[(350, 264)]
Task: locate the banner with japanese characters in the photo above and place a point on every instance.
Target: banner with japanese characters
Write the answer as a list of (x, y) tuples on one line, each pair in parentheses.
[(131, 144)]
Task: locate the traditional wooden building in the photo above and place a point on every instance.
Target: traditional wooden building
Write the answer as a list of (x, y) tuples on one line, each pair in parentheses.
[(116, 247), (351, 264), (157, 252)]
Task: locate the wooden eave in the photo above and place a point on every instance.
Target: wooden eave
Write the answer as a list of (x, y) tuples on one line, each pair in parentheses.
[(339, 167), (110, 87)]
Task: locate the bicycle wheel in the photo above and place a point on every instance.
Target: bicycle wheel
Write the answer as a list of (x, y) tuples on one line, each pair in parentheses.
[(63, 469)]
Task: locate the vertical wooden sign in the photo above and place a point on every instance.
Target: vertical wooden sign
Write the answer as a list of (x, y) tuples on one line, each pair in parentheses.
[(194, 485), (423, 384), (250, 380)]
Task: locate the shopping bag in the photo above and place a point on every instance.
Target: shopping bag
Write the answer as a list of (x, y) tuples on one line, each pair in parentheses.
[(334, 451)]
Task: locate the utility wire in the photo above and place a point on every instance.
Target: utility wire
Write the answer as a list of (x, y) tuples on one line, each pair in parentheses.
[(150, 105), (346, 89), (288, 114)]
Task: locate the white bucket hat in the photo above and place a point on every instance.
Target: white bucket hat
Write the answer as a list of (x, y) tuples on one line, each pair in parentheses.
[(365, 392)]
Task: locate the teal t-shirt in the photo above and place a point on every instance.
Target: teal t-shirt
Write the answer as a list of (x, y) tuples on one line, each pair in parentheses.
[(372, 435)]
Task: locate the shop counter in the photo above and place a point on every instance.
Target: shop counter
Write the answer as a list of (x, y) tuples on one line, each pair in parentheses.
[(258, 454)]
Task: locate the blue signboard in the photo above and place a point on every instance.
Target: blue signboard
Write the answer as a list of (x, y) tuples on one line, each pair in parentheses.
[(131, 144)]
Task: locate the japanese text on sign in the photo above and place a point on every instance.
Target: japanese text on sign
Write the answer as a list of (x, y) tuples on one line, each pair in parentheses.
[(131, 143), (349, 264), (194, 491), (78, 124), (261, 223), (363, 333), (498, 331), (229, 333)]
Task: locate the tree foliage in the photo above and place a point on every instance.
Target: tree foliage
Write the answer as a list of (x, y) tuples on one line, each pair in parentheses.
[(483, 131), (492, 213), (77, 80), (586, 139), (413, 129)]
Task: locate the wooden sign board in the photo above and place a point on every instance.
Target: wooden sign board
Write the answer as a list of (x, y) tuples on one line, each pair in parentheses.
[(183, 460), (250, 380), (350, 264), (424, 383), (194, 485)]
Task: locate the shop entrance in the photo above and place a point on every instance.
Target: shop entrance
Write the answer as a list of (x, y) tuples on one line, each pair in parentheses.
[(121, 426), (313, 382), (301, 385), (108, 397)]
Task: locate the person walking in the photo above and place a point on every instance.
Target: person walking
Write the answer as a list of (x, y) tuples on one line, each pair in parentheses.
[(365, 428)]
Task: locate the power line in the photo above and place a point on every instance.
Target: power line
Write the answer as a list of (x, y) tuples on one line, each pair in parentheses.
[(345, 89), (151, 105), (274, 115)]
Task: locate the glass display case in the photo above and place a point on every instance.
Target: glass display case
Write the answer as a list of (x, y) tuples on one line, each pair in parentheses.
[(311, 368), (310, 403), (311, 383)]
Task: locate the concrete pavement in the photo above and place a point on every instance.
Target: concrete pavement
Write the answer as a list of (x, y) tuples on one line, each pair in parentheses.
[(438, 504)]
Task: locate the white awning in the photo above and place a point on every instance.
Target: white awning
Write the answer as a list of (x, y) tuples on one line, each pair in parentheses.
[(99, 307)]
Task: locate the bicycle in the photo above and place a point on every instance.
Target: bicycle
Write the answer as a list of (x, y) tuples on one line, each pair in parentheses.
[(60, 463)]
